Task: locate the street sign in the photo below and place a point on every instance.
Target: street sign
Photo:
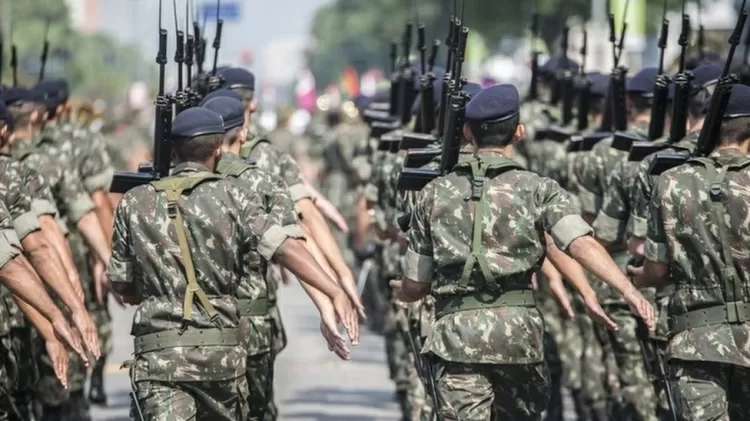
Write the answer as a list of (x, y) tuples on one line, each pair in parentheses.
[(228, 12)]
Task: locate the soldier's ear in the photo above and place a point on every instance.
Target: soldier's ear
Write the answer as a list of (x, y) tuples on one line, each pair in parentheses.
[(3, 131), (520, 133), (468, 135)]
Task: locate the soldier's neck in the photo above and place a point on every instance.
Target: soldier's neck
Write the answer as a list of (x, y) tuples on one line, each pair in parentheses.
[(697, 125), (23, 134), (742, 147), (642, 118), (506, 151)]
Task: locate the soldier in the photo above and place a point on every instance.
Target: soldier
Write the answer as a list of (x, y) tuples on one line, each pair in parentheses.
[(208, 344), (253, 299), (487, 339), (697, 238)]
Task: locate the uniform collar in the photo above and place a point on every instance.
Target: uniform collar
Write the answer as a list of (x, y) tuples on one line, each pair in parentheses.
[(726, 156), (189, 168)]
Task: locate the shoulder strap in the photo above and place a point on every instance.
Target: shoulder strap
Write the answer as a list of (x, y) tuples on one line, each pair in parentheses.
[(479, 169), (718, 174), (250, 145), (173, 187), (237, 168)]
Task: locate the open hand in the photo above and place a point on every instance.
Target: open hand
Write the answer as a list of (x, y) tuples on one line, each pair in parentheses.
[(350, 288), (560, 294), (329, 329), (101, 283), (347, 316), (59, 357), (596, 312), (641, 307), (70, 338), (87, 330)]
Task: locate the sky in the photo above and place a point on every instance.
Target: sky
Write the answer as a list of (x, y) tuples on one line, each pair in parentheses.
[(263, 25)]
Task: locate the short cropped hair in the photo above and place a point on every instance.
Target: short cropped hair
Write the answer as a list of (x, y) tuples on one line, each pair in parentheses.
[(735, 130), (198, 148), (246, 94), (231, 135), (21, 112), (495, 134)]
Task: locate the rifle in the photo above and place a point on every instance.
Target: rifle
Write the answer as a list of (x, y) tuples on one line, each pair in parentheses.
[(709, 135), (701, 31), (179, 52), (13, 56), (406, 80), (45, 51), (2, 54), (584, 88), (650, 352), (415, 179), (148, 172), (217, 38), (661, 85), (533, 87), (566, 82), (452, 44)]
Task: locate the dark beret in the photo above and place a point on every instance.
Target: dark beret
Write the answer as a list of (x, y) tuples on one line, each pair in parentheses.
[(495, 103), (706, 74), (739, 102), (197, 121), (6, 116), (472, 89), (229, 109), (221, 93), (642, 82), (557, 62), (236, 77), (599, 84), (19, 94)]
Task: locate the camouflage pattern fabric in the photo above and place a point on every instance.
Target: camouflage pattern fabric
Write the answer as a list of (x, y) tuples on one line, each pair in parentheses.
[(710, 391), (8, 384), (214, 400), (492, 391), (684, 233), (138, 221), (121, 146)]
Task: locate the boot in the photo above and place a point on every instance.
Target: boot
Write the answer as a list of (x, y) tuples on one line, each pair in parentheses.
[(97, 395), (583, 412)]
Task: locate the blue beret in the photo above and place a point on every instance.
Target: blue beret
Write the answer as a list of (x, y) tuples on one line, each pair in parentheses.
[(221, 93), (643, 81), (558, 62), (197, 121), (229, 109), (472, 89), (495, 103), (18, 94), (236, 77), (705, 74), (739, 102), (599, 84)]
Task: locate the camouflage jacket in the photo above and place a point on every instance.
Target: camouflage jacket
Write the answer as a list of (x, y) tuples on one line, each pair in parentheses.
[(683, 232), (10, 246), (593, 169), (120, 146), (521, 205), (278, 204), (643, 185), (280, 164), (67, 189), (612, 220), (224, 222)]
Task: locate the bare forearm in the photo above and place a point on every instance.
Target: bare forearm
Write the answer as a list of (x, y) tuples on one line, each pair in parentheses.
[(92, 232), (58, 242), (293, 255), (320, 300), (570, 270), (23, 282), (42, 325), (105, 214), (314, 249), (363, 223), (594, 258), (49, 267), (314, 222)]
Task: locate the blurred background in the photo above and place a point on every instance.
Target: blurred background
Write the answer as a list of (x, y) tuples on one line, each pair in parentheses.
[(302, 49)]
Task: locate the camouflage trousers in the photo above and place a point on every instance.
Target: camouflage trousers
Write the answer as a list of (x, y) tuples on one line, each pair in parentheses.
[(8, 381), (178, 401), (23, 348), (485, 392), (636, 398), (56, 401), (553, 340), (260, 386), (707, 390), (594, 386), (278, 344)]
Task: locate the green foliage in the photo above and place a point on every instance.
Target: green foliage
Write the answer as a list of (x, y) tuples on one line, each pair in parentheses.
[(95, 65), (359, 32)]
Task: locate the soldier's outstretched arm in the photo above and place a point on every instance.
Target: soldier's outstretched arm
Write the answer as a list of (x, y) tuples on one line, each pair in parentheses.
[(328, 325), (313, 220), (327, 209), (57, 240), (94, 235), (655, 270), (556, 288), (56, 350), (104, 212), (294, 255)]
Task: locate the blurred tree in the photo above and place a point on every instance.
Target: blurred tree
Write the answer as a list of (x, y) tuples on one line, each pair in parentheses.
[(95, 65), (359, 31)]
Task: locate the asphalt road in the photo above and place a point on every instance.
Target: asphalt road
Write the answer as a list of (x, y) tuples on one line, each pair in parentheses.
[(311, 383)]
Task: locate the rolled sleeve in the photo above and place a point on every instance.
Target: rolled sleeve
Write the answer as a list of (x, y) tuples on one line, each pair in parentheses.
[(79, 207), (567, 229), (656, 252), (299, 192), (100, 181), (271, 240), (295, 231), (43, 207), (608, 229), (418, 267), (26, 223), (10, 246)]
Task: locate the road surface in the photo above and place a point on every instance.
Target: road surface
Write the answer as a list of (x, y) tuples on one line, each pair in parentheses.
[(311, 383)]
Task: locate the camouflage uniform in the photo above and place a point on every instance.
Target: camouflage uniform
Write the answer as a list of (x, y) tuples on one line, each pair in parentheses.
[(698, 226), (259, 151), (179, 372), (253, 296), (10, 247), (22, 370), (632, 389), (488, 337), (73, 202), (120, 146)]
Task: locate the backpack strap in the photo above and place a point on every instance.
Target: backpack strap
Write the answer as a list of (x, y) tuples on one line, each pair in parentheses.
[(718, 174), (251, 144), (173, 187), (479, 169), (237, 167)]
